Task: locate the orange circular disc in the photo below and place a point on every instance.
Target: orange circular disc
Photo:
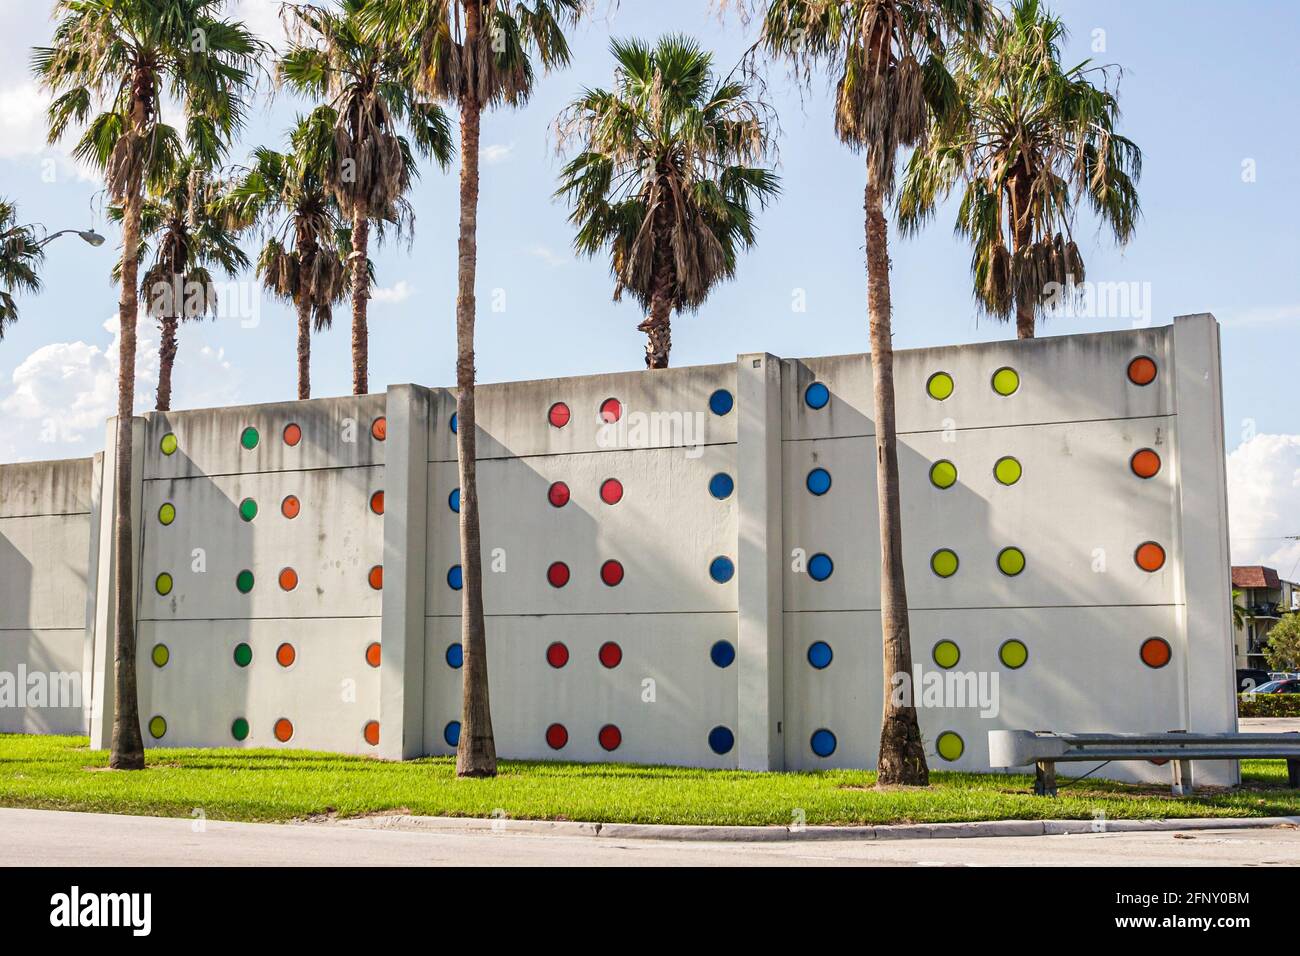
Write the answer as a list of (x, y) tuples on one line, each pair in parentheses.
[(371, 733), (1156, 652), (376, 577), (1145, 463), (1142, 370), (292, 435), (1150, 556), (285, 655), (283, 730), (373, 654), (290, 507), (377, 502), (379, 428), (288, 579)]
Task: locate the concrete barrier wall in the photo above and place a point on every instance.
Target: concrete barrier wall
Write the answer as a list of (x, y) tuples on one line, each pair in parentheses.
[(46, 527), (683, 566)]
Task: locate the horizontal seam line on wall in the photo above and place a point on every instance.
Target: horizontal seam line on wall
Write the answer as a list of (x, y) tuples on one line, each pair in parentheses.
[(287, 617), (429, 617), (47, 514), (72, 627), (569, 454), (282, 471), (978, 607), (981, 428)]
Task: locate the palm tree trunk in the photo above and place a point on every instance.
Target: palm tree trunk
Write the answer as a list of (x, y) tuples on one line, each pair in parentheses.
[(360, 297), (127, 747), (1021, 236), (304, 348), (902, 756), (166, 359), (476, 753), (658, 324)]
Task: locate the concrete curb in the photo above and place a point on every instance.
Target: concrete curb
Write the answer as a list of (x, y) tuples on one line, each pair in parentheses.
[(744, 834)]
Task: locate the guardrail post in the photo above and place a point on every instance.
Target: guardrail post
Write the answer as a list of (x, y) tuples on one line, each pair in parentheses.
[(1045, 778)]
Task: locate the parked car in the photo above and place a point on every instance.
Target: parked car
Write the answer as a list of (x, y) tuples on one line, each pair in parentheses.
[(1279, 687), (1249, 679)]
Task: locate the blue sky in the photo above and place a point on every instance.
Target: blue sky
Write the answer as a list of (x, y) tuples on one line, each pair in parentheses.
[(1210, 101)]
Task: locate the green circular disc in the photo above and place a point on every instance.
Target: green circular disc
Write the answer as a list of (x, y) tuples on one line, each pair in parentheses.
[(248, 509), (163, 584), (249, 438), (167, 513), (157, 727), (1011, 561), (1007, 470), (943, 474), (169, 444), (244, 581), (950, 745), (243, 655), (946, 654), (944, 562), (160, 655), (939, 386), (1006, 381), (239, 729), (1013, 653)]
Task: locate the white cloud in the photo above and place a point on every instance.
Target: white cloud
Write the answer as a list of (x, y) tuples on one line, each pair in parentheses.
[(1264, 501), (550, 257), (263, 18), (22, 120), (399, 292), (495, 153)]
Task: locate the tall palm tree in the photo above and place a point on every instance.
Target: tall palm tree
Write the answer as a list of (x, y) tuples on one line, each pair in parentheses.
[(667, 178), (889, 59), (1031, 140), (20, 255), (110, 64), (189, 238), (478, 54), (304, 258), (370, 165)]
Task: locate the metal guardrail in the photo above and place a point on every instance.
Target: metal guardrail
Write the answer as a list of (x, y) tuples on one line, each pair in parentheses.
[(1044, 750)]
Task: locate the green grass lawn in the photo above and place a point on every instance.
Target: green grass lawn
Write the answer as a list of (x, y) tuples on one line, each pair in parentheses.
[(61, 773)]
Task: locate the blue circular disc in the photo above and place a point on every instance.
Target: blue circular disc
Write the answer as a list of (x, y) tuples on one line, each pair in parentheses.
[(819, 481), (451, 733), (820, 654), (721, 740), (823, 742), (817, 395), (455, 577), (453, 422), (453, 501), (820, 567), (722, 653), (455, 655), (721, 569), (721, 485), (721, 402)]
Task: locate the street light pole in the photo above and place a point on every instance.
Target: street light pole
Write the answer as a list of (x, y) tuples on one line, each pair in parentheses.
[(87, 235)]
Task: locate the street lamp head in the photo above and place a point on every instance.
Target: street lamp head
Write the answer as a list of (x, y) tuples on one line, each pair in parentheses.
[(92, 237)]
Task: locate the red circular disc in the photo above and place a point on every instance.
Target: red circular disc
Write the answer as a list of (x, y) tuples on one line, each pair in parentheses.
[(556, 736), (557, 655), (611, 572), (371, 733), (610, 737), (611, 655), (558, 494), (292, 435), (611, 410), (611, 491), (558, 574), (559, 415)]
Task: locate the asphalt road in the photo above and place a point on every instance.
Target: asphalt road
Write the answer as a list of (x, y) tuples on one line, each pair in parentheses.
[(51, 838)]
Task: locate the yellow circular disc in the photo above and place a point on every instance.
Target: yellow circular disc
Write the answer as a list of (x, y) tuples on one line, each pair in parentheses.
[(163, 584), (943, 474), (1011, 561), (169, 444), (157, 727), (1007, 470), (939, 386), (161, 655), (1013, 653), (950, 745), (946, 654), (1006, 381), (167, 513), (944, 562)]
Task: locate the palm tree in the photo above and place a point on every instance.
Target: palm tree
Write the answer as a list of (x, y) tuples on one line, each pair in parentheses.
[(189, 239), (476, 53), (1030, 140), (369, 165), (889, 58), (110, 63), (304, 259), (1241, 615), (20, 254), (667, 179)]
